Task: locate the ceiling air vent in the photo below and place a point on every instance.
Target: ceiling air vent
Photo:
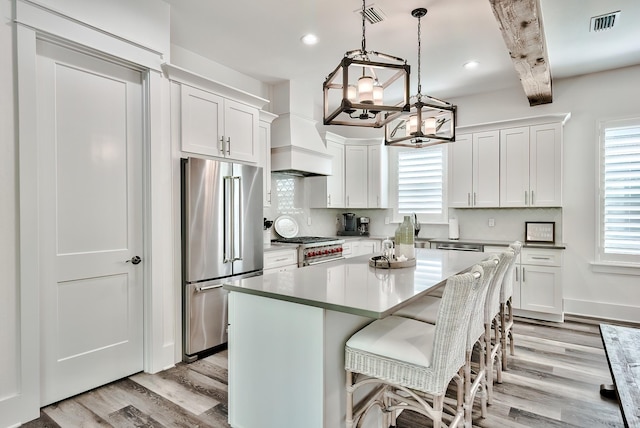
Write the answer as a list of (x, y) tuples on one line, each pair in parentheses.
[(604, 22), (372, 13)]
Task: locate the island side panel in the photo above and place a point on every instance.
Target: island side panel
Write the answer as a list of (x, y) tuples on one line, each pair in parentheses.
[(275, 363), (338, 328)]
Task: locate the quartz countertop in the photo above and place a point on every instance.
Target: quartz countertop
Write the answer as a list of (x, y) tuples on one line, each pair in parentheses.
[(352, 286)]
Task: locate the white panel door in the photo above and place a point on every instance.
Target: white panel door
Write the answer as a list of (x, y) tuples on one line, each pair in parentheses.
[(90, 185)]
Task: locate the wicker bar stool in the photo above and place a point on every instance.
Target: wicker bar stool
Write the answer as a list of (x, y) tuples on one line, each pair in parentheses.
[(492, 324), (412, 363), (506, 306), (425, 310)]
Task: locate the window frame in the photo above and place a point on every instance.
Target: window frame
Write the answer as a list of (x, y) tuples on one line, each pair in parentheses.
[(602, 259), (393, 185)]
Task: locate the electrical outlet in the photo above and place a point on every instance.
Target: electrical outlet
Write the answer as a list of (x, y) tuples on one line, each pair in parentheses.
[(492, 222), (308, 221), (386, 220)]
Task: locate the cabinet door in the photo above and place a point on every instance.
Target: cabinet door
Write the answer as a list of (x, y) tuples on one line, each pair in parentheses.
[(264, 160), (328, 192), (541, 289), (460, 174), (514, 167), (486, 169), (369, 246), (201, 121), (356, 193), (545, 170), (335, 182), (240, 131), (377, 176)]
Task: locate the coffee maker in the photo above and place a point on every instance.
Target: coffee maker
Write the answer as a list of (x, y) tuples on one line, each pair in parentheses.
[(348, 225), (363, 226)]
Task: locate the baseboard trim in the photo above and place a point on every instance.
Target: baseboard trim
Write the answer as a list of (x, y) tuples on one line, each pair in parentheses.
[(602, 311)]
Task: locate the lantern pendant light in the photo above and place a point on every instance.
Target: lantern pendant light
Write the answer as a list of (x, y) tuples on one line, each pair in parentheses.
[(360, 92), (429, 121)]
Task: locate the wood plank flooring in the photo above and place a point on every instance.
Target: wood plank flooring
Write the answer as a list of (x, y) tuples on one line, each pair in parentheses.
[(552, 381)]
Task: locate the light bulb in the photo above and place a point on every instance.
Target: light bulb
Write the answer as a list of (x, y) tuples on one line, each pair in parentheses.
[(412, 125), (430, 126), (378, 93), (365, 90)]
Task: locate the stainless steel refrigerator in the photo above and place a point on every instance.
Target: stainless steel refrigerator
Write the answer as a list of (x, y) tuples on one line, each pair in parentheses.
[(221, 240)]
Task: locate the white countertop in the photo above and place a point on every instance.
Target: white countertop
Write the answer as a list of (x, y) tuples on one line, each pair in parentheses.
[(352, 286)]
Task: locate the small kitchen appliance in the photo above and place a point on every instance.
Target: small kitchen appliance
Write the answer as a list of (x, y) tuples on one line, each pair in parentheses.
[(349, 225), (363, 226)]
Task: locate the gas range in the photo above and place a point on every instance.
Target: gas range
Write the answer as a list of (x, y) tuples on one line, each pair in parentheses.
[(315, 249)]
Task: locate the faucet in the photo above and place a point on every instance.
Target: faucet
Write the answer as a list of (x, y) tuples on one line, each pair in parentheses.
[(416, 225)]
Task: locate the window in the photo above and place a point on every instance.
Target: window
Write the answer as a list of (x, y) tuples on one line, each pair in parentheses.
[(619, 207), (419, 183)]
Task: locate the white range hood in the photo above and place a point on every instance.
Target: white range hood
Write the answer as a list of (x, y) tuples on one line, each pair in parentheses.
[(297, 148)]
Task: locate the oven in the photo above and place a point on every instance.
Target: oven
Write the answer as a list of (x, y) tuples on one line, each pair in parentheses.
[(313, 250)]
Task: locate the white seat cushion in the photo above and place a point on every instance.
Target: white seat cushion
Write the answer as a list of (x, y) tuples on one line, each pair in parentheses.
[(425, 310), (396, 338)]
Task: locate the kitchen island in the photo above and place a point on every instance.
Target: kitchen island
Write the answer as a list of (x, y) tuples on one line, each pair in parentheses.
[(287, 332)]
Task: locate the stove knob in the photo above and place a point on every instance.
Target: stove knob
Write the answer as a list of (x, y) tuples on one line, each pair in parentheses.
[(311, 254)]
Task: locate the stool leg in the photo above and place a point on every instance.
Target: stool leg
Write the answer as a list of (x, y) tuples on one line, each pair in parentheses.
[(349, 388), (504, 335)]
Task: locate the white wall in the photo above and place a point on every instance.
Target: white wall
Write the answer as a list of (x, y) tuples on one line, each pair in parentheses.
[(588, 98)]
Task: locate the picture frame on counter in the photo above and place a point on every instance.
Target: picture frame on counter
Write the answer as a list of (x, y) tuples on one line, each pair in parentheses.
[(542, 232)]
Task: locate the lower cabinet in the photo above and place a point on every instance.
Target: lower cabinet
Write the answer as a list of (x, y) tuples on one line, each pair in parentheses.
[(359, 247), (537, 283), (280, 260)]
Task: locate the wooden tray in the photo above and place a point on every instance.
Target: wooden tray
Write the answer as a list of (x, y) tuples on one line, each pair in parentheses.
[(382, 263)]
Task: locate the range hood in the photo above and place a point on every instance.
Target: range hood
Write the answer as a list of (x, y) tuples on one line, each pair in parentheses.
[(297, 148)]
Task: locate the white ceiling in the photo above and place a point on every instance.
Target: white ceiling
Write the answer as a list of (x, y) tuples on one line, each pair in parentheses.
[(262, 38)]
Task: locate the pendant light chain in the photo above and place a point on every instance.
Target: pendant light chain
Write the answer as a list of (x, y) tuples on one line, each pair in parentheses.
[(419, 60), (364, 40)]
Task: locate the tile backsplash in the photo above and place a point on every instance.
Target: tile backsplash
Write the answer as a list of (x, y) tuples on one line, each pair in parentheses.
[(289, 197)]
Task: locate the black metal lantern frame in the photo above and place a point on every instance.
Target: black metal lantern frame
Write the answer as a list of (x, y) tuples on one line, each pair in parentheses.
[(437, 121), (342, 109), (428, 121)]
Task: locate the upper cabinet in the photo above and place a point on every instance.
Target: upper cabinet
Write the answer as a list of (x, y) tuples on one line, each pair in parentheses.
[(518, 164), (264, 154), (328, 192), (214, 119), (474, 170), (531, 166), (216, 126), (360, 175)]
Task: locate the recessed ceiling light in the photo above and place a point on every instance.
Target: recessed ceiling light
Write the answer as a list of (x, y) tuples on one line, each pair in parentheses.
[(309, 39), (470, 65)]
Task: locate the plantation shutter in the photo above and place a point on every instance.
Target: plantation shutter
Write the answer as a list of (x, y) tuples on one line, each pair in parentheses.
[(622, 190), (420, 181)]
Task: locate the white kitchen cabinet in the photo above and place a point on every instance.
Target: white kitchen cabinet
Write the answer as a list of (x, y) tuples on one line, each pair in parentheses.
[(368, 246), (359, 247), (217, 126), (377, 176), (539, 277), (531, 166), (280, 260), (264, 154), (356, 175), (537, 282), (474, 170), (328, 192)]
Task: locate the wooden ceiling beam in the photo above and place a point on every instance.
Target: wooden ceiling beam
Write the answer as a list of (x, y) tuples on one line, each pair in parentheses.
[(521, 26)]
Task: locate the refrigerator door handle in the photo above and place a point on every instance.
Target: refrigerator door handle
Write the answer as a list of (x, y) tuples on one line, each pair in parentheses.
[(228, 219), (238, 223)]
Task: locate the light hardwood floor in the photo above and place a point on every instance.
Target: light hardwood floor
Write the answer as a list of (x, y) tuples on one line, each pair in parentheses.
[(552, 381)]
